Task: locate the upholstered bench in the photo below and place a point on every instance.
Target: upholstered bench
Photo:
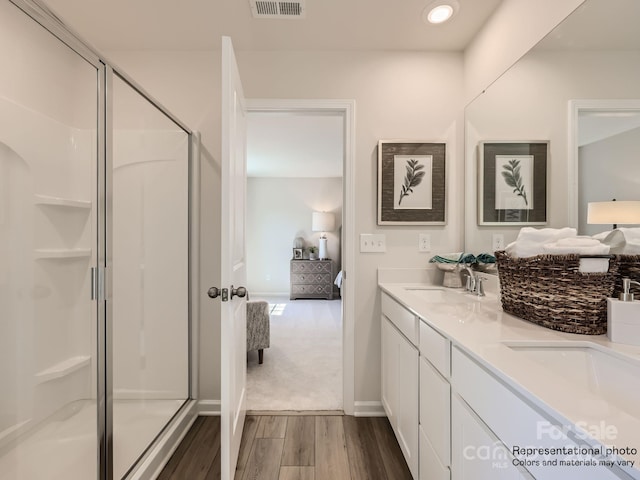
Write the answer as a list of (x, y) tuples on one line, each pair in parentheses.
[(258, 333)]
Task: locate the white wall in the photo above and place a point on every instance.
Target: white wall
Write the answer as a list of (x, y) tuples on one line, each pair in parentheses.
[(279, 210), (515, 27), (530, 102), (608, 169), (402, 95)]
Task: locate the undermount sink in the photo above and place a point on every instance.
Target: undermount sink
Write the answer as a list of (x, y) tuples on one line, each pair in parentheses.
[(431, 294), (609, 375), (442, 295)]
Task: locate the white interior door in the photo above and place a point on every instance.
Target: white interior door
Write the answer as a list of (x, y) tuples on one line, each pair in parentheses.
[(233, 262)]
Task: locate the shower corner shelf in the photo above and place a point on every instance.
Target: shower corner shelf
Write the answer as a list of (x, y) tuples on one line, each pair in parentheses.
[(63, 368), (62, 202), (56, 253)]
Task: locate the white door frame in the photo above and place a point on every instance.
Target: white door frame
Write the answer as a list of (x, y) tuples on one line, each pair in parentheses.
[(348, 109), (575, 107)]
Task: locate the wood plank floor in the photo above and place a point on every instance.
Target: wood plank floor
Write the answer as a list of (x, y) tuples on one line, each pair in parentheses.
[(294, 447)]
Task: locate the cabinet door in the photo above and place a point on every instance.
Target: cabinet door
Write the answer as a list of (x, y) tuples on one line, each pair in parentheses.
[(400, 390), (435, 410), (389, 368), (407, 411), (476, 454)]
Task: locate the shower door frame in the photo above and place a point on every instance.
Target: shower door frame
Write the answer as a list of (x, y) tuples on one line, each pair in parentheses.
[(157, 453)]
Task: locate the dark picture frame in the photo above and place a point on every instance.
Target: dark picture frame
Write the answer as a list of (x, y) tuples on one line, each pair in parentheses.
[(411, 183), (512, 182), (297, 253)]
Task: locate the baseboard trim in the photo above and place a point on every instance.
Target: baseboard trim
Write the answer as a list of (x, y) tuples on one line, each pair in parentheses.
[(368, 409), (209, 408), (156, 458)]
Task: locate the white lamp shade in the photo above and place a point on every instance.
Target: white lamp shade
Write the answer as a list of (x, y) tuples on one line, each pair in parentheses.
[(323, 222), (622, 212)]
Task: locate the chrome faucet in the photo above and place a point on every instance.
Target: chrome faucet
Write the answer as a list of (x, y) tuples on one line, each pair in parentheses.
[(480, 286), (471, 279)]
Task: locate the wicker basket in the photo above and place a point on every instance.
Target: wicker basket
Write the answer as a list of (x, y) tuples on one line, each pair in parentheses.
[(629, 267), (550, 290)]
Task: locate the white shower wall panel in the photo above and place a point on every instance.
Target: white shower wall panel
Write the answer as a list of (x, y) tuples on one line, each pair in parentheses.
[(45, 300), (150, 281)]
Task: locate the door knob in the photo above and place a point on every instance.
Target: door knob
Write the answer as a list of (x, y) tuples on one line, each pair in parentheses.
[(213, 292), (240, 292)]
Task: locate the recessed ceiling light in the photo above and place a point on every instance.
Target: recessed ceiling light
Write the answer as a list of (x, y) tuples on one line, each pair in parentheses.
[(440, 11)]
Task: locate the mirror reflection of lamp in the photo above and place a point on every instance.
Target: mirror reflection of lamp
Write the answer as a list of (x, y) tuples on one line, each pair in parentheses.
[(613, 212), (323, 222)]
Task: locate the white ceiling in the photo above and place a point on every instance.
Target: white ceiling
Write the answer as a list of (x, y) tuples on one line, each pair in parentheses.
[(112, 25), (597, 25)]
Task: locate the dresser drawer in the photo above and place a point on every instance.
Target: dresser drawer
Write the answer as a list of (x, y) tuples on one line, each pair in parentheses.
[(311, 266), (311, 289), (311, 278)]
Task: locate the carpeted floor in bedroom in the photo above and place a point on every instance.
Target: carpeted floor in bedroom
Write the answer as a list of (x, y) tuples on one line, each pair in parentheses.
[(302, 368)]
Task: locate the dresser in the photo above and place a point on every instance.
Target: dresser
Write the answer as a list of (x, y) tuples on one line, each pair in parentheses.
[(311, 279)]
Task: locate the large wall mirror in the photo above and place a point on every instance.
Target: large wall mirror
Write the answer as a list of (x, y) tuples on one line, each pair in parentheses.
[(578, 89)]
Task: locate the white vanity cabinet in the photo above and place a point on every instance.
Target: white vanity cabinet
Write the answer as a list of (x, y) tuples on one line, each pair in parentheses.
[(400, 377)]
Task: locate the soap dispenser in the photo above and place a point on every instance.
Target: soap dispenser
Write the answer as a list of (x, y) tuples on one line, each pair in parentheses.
[(623, 316)]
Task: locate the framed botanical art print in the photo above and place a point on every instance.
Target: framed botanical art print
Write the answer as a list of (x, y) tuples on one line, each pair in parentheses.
[(512, 183), (411, 183)]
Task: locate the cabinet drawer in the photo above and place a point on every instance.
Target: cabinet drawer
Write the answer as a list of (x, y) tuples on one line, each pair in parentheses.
[(435, 348), (435, 410), (403, 319), (514, 421)]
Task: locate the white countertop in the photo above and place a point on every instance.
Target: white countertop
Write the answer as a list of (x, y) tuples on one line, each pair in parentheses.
[(480, 328)]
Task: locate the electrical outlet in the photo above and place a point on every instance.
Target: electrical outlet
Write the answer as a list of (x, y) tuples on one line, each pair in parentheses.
[(370, 242), (497, 242), (424, 242)]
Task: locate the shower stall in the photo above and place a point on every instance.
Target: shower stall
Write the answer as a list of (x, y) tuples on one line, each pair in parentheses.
[(96, 261)]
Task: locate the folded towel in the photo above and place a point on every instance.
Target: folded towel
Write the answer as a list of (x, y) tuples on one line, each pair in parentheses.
[(486, 258), (530, 241), (447, 258), (545, 235), (556, 249), (460, 257), (624, 241)]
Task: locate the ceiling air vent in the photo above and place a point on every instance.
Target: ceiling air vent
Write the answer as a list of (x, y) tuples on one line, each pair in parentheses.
[(271, 9)]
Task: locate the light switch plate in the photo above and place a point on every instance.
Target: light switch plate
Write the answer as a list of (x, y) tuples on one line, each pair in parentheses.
[(497, 242), (424, 242), (370, 242)]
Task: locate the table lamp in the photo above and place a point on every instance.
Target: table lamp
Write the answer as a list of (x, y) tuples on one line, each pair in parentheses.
[(323, 222), (613, 212)]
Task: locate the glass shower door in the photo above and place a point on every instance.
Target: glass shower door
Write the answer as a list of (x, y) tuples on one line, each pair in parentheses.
[(150, 311), (48, 327)]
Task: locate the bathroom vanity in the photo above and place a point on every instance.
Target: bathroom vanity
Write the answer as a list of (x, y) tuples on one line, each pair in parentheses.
[(474, 393)]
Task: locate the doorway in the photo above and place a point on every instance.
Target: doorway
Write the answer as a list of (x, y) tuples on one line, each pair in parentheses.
[(332, 184)]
